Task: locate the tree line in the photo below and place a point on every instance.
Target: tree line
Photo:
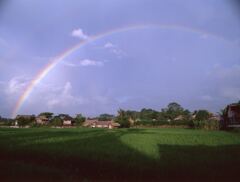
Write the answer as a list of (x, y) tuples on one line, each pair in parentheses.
[(173, 114)]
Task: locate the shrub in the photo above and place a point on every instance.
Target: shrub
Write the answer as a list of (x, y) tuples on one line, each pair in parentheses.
[(206, 124), (56, 121)]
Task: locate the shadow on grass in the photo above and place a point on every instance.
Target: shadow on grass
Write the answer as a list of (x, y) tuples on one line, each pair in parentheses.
[(95, 154)]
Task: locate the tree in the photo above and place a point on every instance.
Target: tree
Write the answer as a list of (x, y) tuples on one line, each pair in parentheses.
[(148, 114), (23, 121), (56, 121), (6, 121), (79, 119), (202, 115), (105, 117), (186, 114), (172, 111), (48, 115), (175, 107), (122, 119)]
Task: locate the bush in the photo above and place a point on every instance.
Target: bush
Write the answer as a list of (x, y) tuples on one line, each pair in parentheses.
[(206, 124), (56, 121), (124, 123)]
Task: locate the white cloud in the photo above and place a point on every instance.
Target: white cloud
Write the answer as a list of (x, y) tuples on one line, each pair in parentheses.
[(67, 88), (84, 63), (79, 34), (117, 51), (109, 45), (64, 98), (114, 49), (88, 62), (17, 84)]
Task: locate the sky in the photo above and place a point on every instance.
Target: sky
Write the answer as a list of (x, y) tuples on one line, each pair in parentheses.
[(148, 53)]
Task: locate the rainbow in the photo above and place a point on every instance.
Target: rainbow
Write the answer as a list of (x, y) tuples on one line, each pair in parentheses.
[(55, 61)]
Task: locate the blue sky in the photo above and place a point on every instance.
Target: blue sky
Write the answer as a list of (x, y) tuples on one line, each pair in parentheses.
[(197, 65)]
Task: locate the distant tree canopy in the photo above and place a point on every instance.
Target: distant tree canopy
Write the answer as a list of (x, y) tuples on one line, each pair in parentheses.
[(48, 115), (23, 121), (6, 121), (79, 119), (105, 117), (174, 107), (146, 114), (173, 113), (202, 115), (56, 121), (62, 116), (174, 110), (123, 119)]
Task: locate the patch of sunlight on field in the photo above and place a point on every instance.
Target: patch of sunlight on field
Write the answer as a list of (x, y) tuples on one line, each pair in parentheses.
[(148, 141), (145, 144)]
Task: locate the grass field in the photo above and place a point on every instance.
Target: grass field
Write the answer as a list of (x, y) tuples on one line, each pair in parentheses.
[(121, 154)]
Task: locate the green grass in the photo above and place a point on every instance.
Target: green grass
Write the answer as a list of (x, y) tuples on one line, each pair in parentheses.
[(138, 154)]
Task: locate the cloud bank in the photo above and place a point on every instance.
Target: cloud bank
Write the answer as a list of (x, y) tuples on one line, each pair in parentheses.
[(79, 34)]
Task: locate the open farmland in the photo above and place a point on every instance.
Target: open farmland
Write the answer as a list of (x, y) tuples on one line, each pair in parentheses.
[(121, 154)]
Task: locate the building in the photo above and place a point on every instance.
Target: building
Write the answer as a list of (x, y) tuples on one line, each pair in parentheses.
[(179, 118), (89, 122), (42, 120), (67, 121), (231, 116), (93, 123)]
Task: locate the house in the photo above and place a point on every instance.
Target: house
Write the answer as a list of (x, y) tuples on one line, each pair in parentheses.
[(67, 121), (100, 124), (89, 122), (179, 118), (42, 120), (231, 116), (114, 125), (106, 124)]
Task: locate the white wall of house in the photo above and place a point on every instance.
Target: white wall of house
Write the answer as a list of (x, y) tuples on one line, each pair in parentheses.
[(67, 122)]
